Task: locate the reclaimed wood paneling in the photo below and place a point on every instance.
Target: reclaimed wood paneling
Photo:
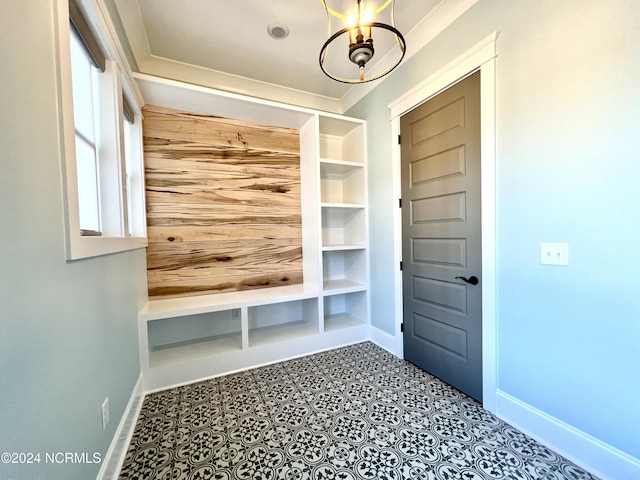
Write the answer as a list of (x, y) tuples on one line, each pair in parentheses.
[(223, 204)]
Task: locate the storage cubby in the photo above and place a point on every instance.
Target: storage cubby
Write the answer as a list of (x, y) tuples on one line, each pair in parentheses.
[(282, 321), (344, 269), (341, 139), (341, 183), (343, 227), (345, 310), (180, 338)]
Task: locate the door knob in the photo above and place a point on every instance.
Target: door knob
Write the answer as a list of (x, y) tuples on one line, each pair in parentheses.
[(473, 280)]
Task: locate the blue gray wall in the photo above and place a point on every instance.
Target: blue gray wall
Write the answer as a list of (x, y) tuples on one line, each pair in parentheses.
[(68, 335), (568, 167), (568, 111)]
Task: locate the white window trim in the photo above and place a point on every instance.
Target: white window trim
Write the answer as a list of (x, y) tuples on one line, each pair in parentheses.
[(78, 246), (137, 208)]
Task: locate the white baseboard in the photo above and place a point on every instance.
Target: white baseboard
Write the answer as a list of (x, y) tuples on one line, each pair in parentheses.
[(114, 458), (385, 340), (591, 454)]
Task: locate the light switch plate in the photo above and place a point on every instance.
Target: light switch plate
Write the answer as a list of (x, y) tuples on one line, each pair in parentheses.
[(554, 254)]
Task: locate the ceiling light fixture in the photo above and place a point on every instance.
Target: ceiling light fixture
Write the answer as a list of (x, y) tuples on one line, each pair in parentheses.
[(360, 28)]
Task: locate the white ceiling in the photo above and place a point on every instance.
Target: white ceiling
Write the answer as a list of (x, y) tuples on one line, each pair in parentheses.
[(226, 44)]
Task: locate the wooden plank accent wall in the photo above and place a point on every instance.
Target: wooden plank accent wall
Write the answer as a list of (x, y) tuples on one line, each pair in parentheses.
[(223, 204)]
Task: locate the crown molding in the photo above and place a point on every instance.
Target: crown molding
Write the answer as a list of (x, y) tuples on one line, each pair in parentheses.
[(184, 72), (445, 13)]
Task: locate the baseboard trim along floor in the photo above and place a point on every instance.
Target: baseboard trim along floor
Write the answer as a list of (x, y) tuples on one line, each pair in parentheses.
[(601, 459), (115, 455)]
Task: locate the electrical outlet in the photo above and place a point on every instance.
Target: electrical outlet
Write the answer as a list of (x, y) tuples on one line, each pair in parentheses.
[(105, 413), (554, 254)]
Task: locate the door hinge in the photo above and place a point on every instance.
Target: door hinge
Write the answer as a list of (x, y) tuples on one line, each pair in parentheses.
[(400, 202), (399, 140), (402, 328), (400, 265)]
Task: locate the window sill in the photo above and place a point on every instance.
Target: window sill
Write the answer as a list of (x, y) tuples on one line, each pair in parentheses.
[(86, 247)]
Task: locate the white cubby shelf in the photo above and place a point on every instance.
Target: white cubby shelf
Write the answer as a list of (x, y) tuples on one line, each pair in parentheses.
[(345, 310), (187, 339)]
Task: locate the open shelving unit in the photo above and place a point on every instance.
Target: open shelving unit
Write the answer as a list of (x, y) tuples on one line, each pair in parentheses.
[(345, 310), (266, 325), (345, 265), (190, 338), (344, 269), (181, 338)]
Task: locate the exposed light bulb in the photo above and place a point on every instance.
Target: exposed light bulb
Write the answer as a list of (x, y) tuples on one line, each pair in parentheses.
[(368, 15), (360, 23), (367, 18)]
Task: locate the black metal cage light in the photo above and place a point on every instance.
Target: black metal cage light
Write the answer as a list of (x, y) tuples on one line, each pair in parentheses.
[(360, 31)]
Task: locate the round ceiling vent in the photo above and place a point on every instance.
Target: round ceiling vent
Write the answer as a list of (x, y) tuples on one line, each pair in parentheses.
[(278, 31)]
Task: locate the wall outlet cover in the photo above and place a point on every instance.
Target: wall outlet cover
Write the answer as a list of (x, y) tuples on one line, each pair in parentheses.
[(554, 254)]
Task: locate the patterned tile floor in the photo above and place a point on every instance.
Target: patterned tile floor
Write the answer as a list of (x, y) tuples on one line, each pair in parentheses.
[(357, 412)]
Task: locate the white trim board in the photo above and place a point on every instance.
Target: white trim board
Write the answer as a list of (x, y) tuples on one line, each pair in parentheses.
[(114, 458), (593, 455), (480, 57), (392, 344), (460, 67)]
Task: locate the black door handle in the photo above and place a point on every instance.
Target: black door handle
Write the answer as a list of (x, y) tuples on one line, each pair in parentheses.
[(473, 280)]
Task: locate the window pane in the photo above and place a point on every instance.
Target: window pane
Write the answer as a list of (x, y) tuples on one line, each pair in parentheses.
[(82, 81), (86, 166), (128, 157)]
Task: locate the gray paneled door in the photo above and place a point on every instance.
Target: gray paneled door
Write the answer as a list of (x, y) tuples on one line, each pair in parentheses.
[(442, 236)]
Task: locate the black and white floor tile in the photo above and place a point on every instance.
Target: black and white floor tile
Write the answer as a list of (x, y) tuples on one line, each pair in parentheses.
[(357, 412)]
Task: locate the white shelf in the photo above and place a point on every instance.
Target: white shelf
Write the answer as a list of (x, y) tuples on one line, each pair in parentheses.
[(341, 140), (343, 247), (340, 167), (337, 125), (341, 184), (179, 307), (182, 338), (343, 285), (355, 206), (345, 310), (344, 267), (187, 351), (339, 321), (343, 225), (281, 333), (282, 321)]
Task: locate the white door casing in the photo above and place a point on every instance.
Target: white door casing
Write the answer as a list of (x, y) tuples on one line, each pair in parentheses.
[(480, 57)]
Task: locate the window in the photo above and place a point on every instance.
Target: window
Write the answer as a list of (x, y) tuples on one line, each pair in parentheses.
[(102, 138), (84, 77), (134, 174)]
